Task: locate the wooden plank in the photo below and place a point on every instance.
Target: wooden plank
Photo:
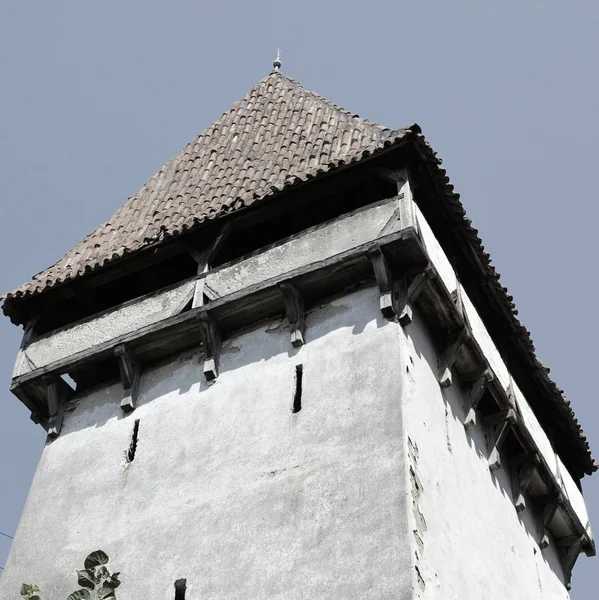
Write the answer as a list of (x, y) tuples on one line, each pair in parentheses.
[(500, 417), (320, 269)]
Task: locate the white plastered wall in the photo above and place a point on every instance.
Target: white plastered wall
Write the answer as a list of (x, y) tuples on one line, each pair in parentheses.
[(228, 489), (470, 542)]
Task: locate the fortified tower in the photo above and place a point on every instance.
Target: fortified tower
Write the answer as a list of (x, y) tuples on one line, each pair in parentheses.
[(296, 376)]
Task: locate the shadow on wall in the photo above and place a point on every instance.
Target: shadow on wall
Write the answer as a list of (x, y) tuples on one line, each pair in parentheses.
[(249, 346), (456, 403)]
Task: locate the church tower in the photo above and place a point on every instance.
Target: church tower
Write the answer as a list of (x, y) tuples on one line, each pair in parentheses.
[(286, 368)]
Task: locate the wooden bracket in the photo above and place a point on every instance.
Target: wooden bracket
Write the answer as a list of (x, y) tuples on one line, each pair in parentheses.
[(130, 375), (204, 260), (447, 358), (521, 477), (573, 547), (457, 297), (294, 308), (384, 280), (56, 400), (476, 393), (407, 295), (211, 342), (504, 421), (549, 511)]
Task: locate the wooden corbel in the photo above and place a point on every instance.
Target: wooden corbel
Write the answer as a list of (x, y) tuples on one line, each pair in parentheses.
[(384, 281), (503, 422), (55, 399), (294, 308), (407, 295), (572, 547), (130, 375), (549, 511), (211, 342), (447, 358), (521, 477), (477, 391)]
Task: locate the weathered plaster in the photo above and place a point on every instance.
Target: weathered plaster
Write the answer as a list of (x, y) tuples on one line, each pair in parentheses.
[(479, 332), (228, 488), (102, 328), (474, 545), (309, 247)]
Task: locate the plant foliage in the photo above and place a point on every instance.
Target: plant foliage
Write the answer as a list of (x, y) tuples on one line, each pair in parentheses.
[(96, 582)]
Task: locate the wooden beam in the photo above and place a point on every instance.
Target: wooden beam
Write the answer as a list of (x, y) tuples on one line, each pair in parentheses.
[(384, 281), (130, 375), (447, 358), (211, 342), (505, 420), (477, 391), (294, 309)]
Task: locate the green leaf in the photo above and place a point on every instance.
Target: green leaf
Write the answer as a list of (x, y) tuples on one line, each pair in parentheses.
[(106, 593), (96, 559), (86, 579), (80, 595)]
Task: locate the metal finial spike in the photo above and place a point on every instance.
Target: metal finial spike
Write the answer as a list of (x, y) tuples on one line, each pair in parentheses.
[(277, 63)]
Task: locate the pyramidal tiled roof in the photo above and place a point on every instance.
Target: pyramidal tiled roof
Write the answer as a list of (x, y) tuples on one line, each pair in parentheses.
[(277, 135)]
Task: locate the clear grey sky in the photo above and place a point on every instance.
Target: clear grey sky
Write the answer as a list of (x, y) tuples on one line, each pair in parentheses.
[(96, 95)]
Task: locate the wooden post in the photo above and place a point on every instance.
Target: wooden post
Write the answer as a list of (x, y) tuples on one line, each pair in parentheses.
[(130, 374), (401, 178), (204, 260), (294, 308), (384, 280), (211, 342)]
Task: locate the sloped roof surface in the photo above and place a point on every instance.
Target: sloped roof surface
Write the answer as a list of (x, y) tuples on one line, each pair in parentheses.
[(277, 134)]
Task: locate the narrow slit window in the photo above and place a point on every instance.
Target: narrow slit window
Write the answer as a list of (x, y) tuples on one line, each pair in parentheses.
[(297, 395), (180, 589), (133, 444)]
